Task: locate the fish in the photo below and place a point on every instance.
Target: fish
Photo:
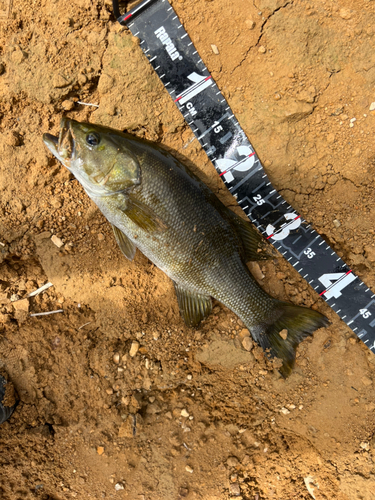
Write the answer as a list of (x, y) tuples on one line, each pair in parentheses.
[(155, 203)]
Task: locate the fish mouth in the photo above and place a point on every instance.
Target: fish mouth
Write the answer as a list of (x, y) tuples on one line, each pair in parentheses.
[(65, 143), (63, 147)]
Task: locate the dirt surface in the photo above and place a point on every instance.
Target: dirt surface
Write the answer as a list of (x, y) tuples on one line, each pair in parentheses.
[(118, 399)]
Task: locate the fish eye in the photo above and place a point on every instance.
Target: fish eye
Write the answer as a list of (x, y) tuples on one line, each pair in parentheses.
[(92, 139)]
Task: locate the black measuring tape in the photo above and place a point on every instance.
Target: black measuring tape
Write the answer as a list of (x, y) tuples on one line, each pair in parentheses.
[(173, 56)]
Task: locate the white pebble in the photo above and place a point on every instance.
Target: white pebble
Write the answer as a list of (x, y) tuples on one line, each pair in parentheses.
[(119, 486), (116, 358), (57, 241), (352, 120), (189, 469), (134, 349), (184, 413), (215, 50), (372, 106), (189, 377), (284, 411), (365, 446)]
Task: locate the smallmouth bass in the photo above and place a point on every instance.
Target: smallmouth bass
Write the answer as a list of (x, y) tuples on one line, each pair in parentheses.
[(156, 204)]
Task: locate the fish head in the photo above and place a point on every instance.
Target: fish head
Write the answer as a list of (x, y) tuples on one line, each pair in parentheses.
[(99, 157)]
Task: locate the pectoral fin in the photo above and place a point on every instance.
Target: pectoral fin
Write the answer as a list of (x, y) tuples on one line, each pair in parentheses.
[(143, 216), (193, 306), (127, 246)]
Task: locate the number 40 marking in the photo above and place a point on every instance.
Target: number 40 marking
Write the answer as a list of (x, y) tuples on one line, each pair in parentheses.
[(335, 282)]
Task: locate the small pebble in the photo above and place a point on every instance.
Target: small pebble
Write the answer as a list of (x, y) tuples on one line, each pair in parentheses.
[(372, 106), (134, 349), (116, 358), (284, 411), (331, 138), (284, 334), (119, 486), (277, 96), (184, 413), (365, 446), (100, 236), (234, 489), (67, 105), (262, 49), (250, 24), (189, 377), (215, 50), (189, 469), (336, 223), (232, 462), (57, 241), (247, 344), (345, 13), (100, 450)]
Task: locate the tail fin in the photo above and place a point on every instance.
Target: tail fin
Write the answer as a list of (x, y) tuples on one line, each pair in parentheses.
[(295, 323)]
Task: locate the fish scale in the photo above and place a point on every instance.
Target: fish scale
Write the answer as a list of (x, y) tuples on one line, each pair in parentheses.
[(176, 61)]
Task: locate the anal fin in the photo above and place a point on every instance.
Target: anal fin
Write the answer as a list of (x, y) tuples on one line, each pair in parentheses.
[(193, 306), (127, 247)]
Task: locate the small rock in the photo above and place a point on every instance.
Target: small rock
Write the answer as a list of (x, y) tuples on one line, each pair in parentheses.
[(189, 377), (366, 381), (284, 411), (59, 81), (331, 138), (109, 391), (262, 49), (67, 105), (100, 450), (116, 358), (372, 106), (247, 344), (250, 24), (21, 305), (215, 50), (336, 223), (232, 462), (277, 96), (256, 271), (119, 486), (234, 489), (365, 446), (244, 333), (284, 334), (134, 348), (57, 241), (183, 492), (345, 13), (189, 469), (184, 413), (100, 236)]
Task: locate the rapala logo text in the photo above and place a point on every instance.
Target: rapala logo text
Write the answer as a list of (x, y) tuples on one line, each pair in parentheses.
[(170, 48)]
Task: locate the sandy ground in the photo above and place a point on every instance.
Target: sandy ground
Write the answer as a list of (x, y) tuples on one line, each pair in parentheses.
[(192, 415)]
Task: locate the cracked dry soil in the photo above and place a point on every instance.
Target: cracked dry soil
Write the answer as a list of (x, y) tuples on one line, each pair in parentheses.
[(192, 414)]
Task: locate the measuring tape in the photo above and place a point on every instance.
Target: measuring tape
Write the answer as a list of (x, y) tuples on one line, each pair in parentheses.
[(173, 56)]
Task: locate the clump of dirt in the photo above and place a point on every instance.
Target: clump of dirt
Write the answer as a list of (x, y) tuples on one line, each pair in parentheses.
[(117, 397)]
